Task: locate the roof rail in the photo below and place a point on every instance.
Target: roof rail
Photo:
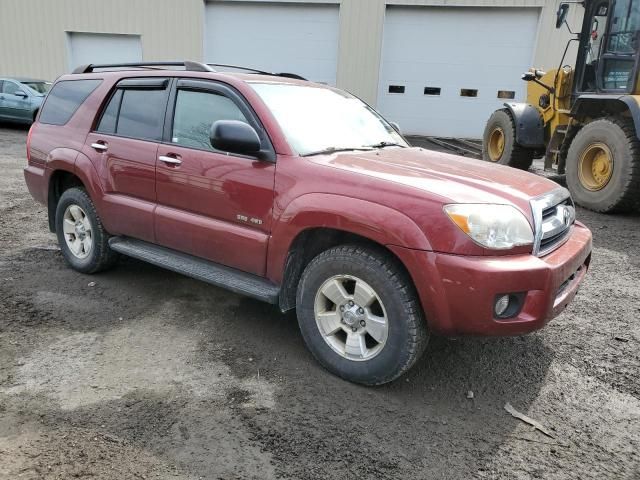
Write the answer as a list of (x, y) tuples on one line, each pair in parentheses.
[(260, 72), (187, 64)]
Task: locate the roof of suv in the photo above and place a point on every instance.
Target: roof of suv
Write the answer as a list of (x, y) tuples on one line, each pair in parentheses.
[(185, 67)]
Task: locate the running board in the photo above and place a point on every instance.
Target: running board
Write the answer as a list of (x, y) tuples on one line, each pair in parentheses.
[(198, 268)]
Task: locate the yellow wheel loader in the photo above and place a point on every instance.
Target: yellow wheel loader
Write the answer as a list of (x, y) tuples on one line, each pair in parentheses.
[(585, 121)]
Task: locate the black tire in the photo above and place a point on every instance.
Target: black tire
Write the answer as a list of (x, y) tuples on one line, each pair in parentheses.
[(622, 192), (407, 332), (513, 154), (100, 257)]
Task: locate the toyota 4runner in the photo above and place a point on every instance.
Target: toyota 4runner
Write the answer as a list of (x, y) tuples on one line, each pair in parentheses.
[(301, 195)]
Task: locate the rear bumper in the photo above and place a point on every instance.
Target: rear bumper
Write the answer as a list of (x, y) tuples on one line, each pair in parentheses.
[(458, 292)]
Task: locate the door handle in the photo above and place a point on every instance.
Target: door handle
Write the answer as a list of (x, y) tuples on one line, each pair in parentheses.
[(170, 160), (101, 147)]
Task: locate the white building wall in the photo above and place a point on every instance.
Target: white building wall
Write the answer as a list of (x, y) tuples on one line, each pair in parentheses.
[(33, 32)]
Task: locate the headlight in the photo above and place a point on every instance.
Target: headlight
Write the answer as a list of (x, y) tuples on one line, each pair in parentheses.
[(498, 227)]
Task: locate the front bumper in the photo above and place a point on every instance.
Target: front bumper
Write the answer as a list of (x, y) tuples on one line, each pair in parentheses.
[(458, 292)]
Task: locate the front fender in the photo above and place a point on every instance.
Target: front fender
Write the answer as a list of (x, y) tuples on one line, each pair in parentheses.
[(376, 222), (528, 123)]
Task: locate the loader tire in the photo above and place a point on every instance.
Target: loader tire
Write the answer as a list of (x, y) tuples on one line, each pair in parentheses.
[(499, 142), (603, 166)]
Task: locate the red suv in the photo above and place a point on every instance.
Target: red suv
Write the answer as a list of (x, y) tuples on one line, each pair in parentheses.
[(301, 195)]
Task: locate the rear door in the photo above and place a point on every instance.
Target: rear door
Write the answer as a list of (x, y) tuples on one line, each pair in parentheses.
[(123, 148), (211, 203)]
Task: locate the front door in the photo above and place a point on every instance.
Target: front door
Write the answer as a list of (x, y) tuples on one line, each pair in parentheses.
[(124, 148), (212, 204)]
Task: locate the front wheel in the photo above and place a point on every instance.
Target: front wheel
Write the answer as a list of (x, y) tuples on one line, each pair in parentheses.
[(359, 315), (499, 142)]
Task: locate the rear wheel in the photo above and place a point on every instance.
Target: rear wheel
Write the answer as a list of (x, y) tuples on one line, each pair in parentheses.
[(499, 142), (359, 315), (603, 166), (82, 238)]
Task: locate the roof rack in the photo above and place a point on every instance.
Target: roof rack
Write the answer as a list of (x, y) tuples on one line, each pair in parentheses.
[(260, 72), (187, 64)]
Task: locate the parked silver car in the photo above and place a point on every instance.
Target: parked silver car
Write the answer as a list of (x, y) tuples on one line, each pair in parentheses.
[(21, 98)]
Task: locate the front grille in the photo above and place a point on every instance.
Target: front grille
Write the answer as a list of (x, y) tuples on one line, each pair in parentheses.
[(554, 215)]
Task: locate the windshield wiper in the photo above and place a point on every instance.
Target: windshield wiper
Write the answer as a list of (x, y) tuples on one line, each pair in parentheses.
[(338, 149), (386, 144)]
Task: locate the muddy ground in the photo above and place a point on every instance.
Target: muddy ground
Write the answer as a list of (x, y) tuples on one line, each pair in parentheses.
[(148, 374)]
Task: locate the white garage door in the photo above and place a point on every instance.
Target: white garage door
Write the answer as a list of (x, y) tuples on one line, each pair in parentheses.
[(293, 38), (84, 48), (443, 68)]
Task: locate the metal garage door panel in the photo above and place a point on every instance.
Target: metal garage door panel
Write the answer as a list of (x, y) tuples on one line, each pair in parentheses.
[(483, 49), (84, 48), (295, 38)]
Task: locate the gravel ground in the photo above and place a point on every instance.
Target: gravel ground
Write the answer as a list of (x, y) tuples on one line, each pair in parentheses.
[(147, 374)]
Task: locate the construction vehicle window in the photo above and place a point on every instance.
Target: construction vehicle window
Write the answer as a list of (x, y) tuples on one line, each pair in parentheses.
[(622, 44), (623, 37), (596, 36)]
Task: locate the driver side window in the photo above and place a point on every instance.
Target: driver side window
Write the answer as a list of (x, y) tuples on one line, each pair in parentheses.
[(596, 37), (195, 112)]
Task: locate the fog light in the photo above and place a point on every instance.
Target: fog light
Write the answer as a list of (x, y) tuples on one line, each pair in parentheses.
[(502, 303)]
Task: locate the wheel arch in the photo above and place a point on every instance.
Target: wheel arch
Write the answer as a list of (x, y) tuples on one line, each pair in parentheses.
[(315, 222), (601, 106), (313, 241), (60, 180)]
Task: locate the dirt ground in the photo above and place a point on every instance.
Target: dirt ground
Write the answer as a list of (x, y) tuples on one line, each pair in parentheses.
[(148, 374)]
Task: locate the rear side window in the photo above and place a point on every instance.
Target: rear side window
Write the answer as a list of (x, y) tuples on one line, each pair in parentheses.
[(135, 112), (64, 99)]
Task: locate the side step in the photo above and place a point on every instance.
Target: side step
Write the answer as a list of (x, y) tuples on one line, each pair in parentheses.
[(200, 269)]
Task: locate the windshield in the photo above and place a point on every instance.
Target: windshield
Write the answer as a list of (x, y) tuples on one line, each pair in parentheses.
[(39, 87), (317, 119)]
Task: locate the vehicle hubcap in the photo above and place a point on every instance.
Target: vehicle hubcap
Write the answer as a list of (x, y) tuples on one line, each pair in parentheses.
[(595, 167), (351, 317), (496, 144), (77, 231)]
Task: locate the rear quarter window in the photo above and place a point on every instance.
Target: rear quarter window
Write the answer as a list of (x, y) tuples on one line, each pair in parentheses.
[(64, 99)]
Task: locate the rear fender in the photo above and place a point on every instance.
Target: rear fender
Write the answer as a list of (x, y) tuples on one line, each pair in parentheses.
[(529, 125), (597, 106), (375, 222), (78, 164)]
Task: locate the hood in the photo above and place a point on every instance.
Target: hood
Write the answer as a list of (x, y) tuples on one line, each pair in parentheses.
[(455, 179)]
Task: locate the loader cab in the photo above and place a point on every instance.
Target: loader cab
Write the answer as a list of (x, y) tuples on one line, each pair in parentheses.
[(609, 47)]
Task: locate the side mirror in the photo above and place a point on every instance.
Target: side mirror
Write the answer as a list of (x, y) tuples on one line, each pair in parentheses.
[(20, 93), (234, 136), (396, 126), (561, 15), (528, 76)]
